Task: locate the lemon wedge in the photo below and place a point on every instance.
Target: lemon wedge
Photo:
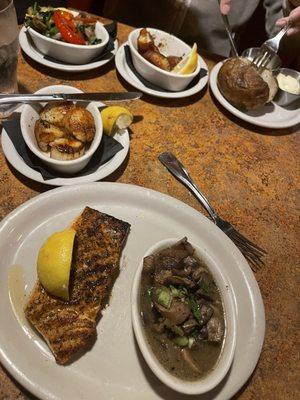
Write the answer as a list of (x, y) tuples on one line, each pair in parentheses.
[(115, 118), (54, 263), (188, 64)]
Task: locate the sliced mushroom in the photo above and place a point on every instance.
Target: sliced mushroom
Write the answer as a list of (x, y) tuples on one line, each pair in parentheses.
[(148, 266), (198, 272), (189, 325), (202, 294), (206, 311), (179, 280), (176, 253), (158, 327), (203, 335), (187, 356), (177, 313), (215, 330), (186, 271), (205, 284), (190, 261), (162, 276)]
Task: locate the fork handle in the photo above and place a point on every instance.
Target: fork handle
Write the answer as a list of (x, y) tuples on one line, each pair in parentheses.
[(178, 170), (277, 38)]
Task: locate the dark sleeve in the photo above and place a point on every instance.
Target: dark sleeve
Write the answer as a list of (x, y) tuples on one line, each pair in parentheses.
[(274, 11), (22, 5)]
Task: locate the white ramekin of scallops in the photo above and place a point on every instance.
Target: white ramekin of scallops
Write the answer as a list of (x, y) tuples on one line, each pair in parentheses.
[(63, 135)]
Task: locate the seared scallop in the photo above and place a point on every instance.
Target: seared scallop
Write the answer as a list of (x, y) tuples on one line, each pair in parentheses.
[(54, 113), (66, 149), (46, 133), (79, 122)]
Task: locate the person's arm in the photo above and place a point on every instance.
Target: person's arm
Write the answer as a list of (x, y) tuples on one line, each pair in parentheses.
[(274, 12), (294, 18)]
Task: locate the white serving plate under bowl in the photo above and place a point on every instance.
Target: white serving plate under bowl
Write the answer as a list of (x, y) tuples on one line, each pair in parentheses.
[(170, 46), (214, 377), (30, 115), (271, 115), (68, 52)]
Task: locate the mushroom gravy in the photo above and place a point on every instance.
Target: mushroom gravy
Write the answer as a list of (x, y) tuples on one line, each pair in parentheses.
[(182, 311)]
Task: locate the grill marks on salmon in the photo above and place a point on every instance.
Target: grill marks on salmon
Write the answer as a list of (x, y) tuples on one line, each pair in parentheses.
[(70, 326)]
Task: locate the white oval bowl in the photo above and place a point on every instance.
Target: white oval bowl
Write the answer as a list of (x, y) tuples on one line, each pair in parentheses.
[(30, 115), (215, 376), (171, 46), (68, 52)]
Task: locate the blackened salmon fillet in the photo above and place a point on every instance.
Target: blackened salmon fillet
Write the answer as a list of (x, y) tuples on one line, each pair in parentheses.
[(69, 326)]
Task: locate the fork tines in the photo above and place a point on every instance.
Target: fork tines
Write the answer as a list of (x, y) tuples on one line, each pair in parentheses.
[(251, 251), (263, 58)]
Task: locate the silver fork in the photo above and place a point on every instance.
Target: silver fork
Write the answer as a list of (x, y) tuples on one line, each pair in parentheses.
[(253, 253), (269, 48)]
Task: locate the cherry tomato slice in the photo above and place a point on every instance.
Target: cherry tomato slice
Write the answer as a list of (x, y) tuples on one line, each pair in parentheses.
[(67, 32), (65, 14)]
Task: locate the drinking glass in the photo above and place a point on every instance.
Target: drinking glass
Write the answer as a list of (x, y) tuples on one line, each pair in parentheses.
[(9, 46)]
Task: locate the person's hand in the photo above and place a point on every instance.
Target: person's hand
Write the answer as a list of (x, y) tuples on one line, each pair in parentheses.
[(293, 18), (225, 6)]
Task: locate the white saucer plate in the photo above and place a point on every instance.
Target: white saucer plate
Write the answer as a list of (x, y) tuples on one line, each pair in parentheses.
[(130, 77), (270, 116), (114, 368), (102, 172), (31, 51)]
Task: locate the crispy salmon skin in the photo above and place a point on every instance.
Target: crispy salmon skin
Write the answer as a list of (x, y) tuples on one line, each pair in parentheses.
[(69, 326)]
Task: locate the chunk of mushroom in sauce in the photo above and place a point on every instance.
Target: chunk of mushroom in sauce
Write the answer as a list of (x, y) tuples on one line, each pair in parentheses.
[(182, 311)]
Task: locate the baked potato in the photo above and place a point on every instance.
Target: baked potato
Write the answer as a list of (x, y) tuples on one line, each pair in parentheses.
[(244, 86)]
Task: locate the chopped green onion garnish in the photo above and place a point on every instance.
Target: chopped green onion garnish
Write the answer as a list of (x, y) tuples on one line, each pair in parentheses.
[(163, 296), (206, 287), (177, 330), (181, 341), (194, 306), (150, 292)]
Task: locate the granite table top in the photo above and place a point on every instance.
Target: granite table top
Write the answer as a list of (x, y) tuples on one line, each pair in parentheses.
[(250, 174)]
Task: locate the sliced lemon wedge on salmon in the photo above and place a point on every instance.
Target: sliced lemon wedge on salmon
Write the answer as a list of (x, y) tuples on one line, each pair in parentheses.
[(188, 64), (54, 263)]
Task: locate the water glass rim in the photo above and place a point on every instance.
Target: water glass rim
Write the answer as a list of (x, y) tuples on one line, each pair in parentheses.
[(5, 8)]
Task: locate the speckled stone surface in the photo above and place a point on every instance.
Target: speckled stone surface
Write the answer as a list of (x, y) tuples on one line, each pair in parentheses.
[(250, 174)]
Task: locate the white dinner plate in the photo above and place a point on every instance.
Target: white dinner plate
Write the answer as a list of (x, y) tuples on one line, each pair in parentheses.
[(32, 52), (114, 368), (270, 116), (129, 77)]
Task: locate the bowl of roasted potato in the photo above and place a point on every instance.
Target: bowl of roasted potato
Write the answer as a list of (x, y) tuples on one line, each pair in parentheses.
[(63, 135), (163, 59)]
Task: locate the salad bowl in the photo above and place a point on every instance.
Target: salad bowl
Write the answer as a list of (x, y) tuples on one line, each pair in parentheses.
[(56, 40)]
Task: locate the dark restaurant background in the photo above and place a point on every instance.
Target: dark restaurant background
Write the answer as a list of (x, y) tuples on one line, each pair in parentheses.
[(146, 15)]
